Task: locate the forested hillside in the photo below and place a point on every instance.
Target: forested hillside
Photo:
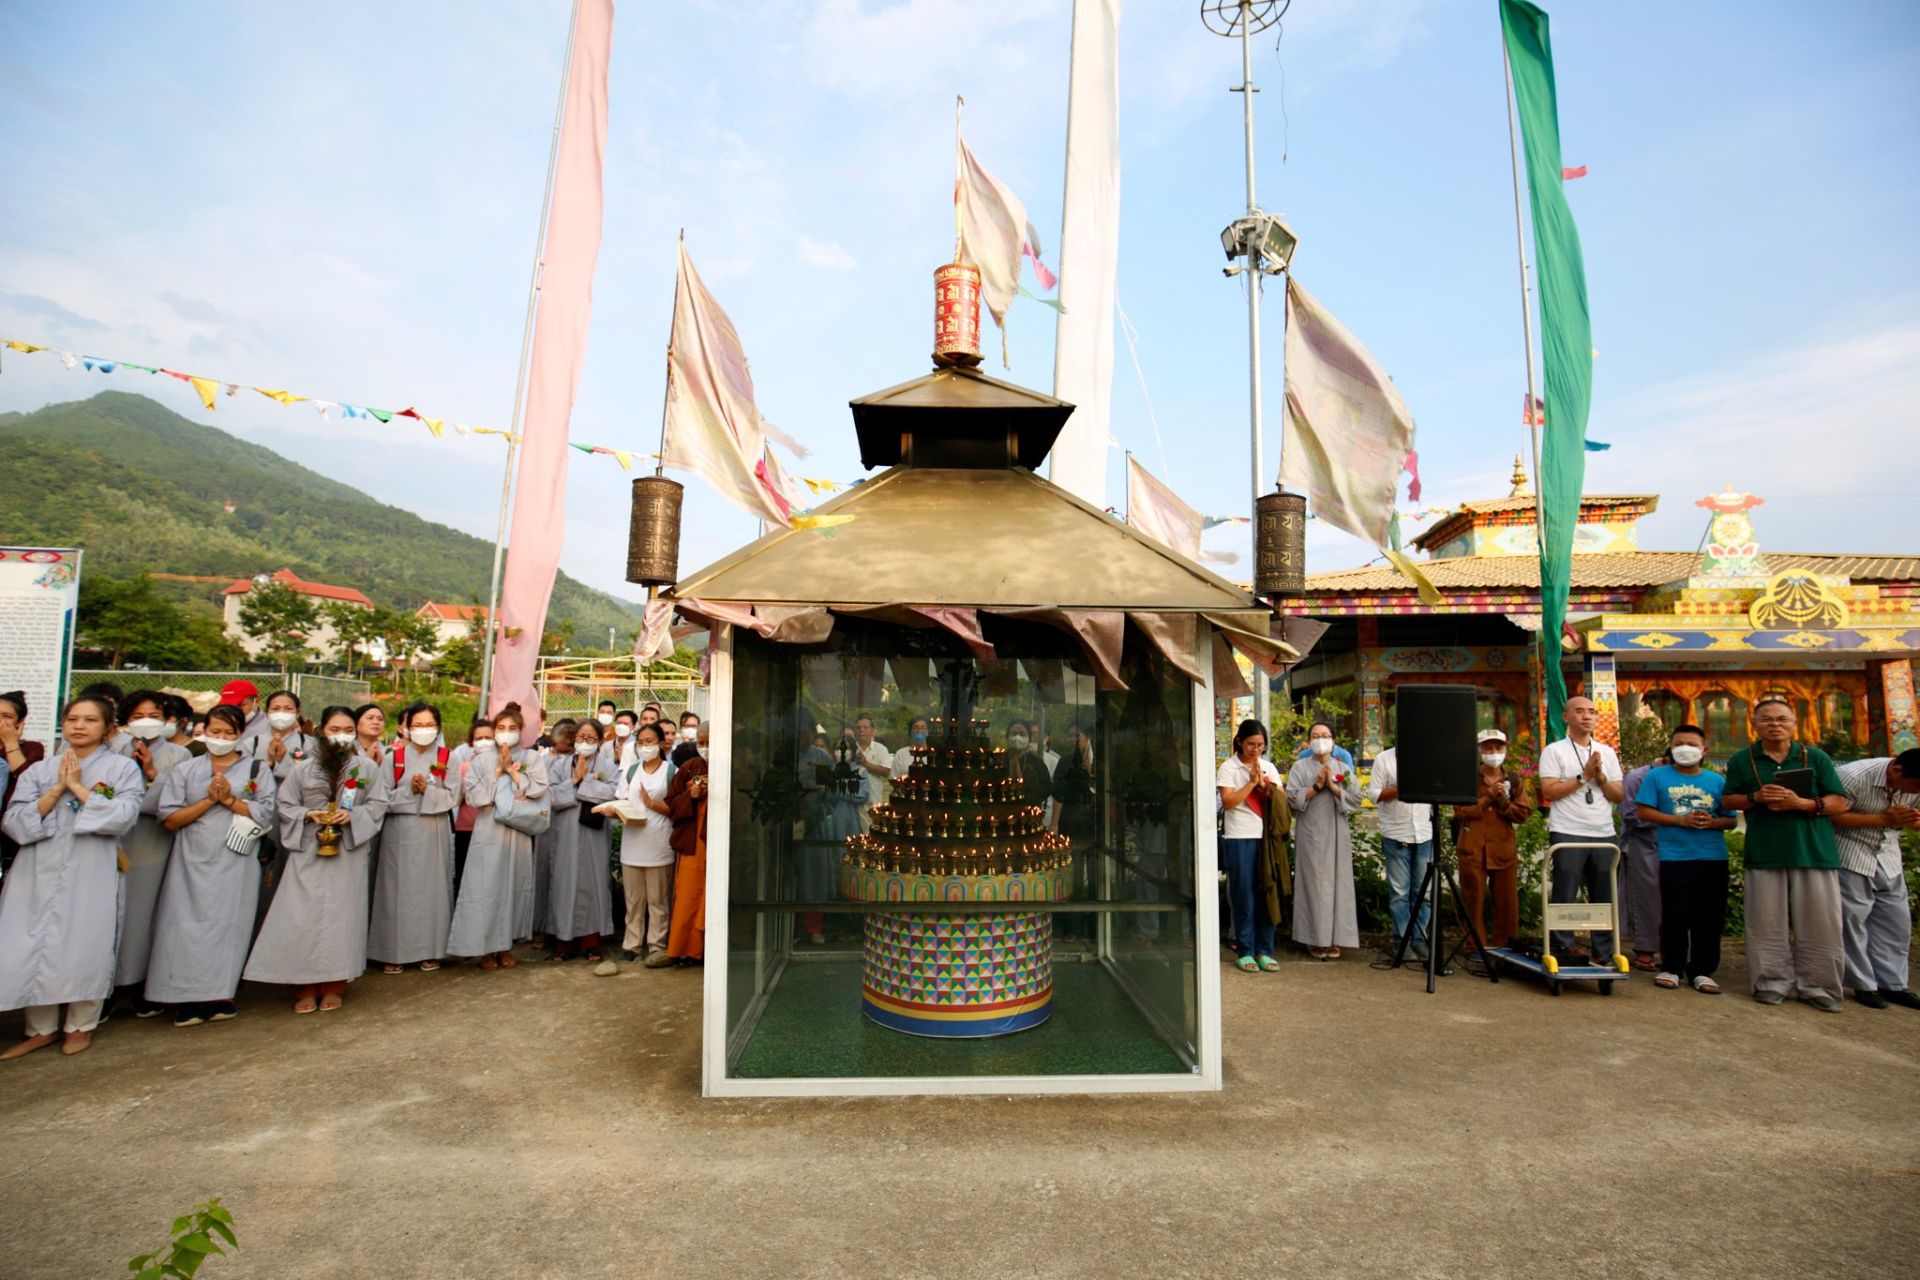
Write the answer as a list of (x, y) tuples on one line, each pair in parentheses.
[(138, 487)]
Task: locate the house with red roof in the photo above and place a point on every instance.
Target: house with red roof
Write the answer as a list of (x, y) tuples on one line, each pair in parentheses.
[(453, 621), (323, 640)]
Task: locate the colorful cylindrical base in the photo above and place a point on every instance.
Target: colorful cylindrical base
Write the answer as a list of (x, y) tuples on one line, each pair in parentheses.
[(958, 976)]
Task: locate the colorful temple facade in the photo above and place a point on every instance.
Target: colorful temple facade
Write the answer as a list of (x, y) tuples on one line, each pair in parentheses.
[(1670, 635)]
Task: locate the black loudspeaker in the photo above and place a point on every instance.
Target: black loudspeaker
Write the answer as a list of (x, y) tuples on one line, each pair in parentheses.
[(1438, 759)]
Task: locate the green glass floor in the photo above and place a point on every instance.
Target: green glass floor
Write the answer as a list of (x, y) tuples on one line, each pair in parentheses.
[(812, 1028)]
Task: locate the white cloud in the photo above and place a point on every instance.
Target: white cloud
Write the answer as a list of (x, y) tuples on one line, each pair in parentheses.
[(825, 256)]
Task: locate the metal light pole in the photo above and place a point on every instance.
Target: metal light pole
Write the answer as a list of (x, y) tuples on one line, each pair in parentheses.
[(1263, 240)]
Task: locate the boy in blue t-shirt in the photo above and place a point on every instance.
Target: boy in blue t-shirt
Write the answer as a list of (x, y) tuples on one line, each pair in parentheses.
[(1682, 800)]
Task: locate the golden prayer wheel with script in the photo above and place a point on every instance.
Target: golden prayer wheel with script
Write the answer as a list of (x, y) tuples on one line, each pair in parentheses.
[(653, 534), (1279, 544), (956, 316)]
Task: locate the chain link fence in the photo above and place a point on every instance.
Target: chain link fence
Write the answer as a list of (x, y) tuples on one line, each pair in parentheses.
[(202, 688)]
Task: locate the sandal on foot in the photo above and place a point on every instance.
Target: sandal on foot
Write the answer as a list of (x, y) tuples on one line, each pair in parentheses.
[(1269, 965), (1318, 953), (428, 966), (328, 1003), (508, 960), (1246, 965), (393, 968), (1333, 953), (1644, 961), (1706, 986), (305, 1004), (488, 962), (1668, 982)]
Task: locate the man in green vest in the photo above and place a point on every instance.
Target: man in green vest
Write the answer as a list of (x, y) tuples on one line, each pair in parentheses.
[(1790, 792)]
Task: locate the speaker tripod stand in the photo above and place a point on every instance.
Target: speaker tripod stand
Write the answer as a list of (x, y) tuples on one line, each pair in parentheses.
[(1427, 898)]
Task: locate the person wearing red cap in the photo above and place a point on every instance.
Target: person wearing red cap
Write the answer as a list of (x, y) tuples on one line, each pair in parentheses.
[(243, 694)]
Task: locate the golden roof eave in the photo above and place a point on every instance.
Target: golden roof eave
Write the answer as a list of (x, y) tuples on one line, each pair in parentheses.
[(998, 539)]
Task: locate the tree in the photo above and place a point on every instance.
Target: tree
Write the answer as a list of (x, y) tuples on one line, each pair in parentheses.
[(281, 619), (353, 627), (409, 636), (130, 621), (460, 659)]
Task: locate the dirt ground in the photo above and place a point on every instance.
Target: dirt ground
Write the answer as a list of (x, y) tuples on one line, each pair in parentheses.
[(542, 1122)]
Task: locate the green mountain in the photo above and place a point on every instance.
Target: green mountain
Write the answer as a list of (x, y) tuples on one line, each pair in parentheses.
[(139, 487)]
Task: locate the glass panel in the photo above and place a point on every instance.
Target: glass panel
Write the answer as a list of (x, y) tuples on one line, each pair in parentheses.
[(1724, 717), (1074, 803)]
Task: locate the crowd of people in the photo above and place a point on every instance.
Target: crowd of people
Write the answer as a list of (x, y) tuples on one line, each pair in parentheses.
[(160, 858), (1826, 902)]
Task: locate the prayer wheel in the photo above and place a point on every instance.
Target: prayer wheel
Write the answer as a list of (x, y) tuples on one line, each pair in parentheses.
[(956, 315), (1279, 544), (653, 534)]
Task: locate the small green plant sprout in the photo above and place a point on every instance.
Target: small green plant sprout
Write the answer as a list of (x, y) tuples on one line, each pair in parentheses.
[(193, 1243)]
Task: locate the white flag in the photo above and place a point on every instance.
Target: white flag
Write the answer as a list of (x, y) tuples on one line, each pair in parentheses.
[(713, 428), (1157, 511), (1347, 432), (993, 223), (655, 640)]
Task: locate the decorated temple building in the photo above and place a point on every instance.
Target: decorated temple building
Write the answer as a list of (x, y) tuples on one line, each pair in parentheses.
[(1672, 635)]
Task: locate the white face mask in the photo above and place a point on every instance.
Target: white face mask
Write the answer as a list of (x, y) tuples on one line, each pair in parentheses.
[(145, 729), (649, 752), (1322, 746), (605, 718), (1493, 758), (623, 730), (342, 739), (173, 730), (1687, 757), (423, 737), (220, 746), (282, 720), (507, 739), (1017, 742), (689, 735), (483, 744), (703, 753), (585, 748)]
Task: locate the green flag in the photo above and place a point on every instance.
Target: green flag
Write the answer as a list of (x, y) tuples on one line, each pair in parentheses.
[(1566, 336)]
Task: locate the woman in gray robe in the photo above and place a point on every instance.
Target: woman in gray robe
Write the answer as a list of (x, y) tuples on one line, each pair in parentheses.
[(495, 906), (60, 901), (580, 897), (278, 739), (147, 845), (556, 841), (204, 922), (315, 936), (1325, 794), (413, 885)]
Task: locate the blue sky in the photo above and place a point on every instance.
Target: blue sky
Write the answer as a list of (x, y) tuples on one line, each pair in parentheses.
[(341, 200)]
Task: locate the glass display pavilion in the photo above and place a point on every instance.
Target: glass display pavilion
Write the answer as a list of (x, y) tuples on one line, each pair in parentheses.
[(978, 928)]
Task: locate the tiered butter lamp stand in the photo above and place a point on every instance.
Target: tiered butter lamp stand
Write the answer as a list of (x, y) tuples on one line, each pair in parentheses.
[(957, 829)]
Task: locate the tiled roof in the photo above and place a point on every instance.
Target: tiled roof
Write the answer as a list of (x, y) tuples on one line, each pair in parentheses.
[(452, 612), (1597, 569), (320, 590)]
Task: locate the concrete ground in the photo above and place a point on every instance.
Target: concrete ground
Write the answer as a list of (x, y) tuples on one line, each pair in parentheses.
[(542, 1122)]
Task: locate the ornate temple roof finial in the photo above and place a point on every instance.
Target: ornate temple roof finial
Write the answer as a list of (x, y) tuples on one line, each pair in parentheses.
[(1521, 489)]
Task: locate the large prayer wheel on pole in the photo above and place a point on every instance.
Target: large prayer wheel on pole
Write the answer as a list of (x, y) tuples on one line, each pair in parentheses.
[(1279, 544), (653, 535)]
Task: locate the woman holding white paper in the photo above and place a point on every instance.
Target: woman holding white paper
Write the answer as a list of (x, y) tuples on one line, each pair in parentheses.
[(218, 808), (646, 857)]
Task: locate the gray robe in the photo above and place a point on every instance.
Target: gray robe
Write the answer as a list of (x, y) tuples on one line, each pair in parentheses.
[(496, 890), (147, 846), (204, 923), (300, 746), (60, 903), (1324, 910), (316, 930), (580, 897), (413, 884), (556, 840)]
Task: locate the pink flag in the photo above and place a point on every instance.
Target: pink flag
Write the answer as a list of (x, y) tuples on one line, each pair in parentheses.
[(1568, 175), (1412, 468), (713, 427), (1533, 411), (559, 348)]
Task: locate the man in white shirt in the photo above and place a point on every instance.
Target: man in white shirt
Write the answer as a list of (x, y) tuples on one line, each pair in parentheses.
[(1876, 921), (1406, 846), (873, 756), (1580, 778)]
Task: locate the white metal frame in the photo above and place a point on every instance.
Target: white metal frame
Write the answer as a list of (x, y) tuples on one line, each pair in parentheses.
[(714, 1081)]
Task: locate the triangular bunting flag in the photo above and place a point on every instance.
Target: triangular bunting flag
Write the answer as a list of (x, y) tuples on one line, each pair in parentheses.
[(207, 387)]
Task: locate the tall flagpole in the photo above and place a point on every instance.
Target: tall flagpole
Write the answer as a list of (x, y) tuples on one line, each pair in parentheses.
[(520, 380), (1534, 414), (1262, 700)]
